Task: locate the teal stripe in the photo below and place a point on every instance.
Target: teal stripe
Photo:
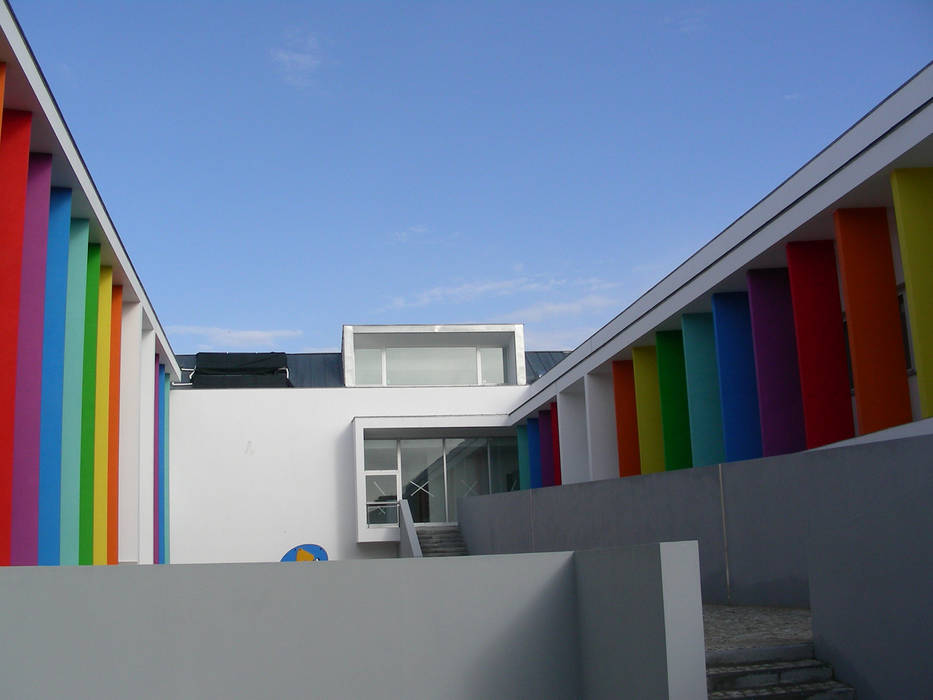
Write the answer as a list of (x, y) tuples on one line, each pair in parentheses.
[(71, 391), (703, 389), (524, 473)]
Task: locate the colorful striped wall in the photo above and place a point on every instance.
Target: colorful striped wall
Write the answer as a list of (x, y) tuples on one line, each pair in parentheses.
[(876, 345), (913, 207), (60, 333), (623, 390), (702, 378), (648, 409), (672, 391), (546, 447), (534, 453)]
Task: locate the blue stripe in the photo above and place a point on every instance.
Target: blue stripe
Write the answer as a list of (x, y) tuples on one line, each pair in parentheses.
[(738, 388), (53, 373)]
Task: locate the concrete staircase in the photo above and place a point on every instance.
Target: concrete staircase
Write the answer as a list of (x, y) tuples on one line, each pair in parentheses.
[(441, 541), (772, 672)]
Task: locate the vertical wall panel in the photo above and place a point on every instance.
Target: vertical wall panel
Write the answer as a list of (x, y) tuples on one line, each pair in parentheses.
[(648, 409), (601, 439), (821, 343), (555, 444), (24, 520), (524, 475), (88, 401), (128, 459), (571, 415), (72, 390), (113, 427), (547, 447), (672, 387), (14, 167), (735, 363), (534, 452), (876, 344), (703, 389), (779, 404), (913, 207), (102, 414), (53, 358), (623, 390), (146, 422)]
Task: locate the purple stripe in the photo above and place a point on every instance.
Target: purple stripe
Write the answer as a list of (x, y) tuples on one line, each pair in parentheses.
[(24, 525), (780, 405)]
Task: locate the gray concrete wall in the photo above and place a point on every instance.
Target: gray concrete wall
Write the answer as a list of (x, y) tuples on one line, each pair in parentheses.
[(666, 659), (470, 627), (752, 519), (610, 513), (870, 581)]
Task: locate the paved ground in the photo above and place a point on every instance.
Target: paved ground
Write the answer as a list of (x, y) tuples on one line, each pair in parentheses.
[(735, 627)]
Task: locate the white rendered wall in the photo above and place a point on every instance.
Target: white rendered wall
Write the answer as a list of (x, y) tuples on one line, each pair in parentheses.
[(256, 472), (571, 424), (146, 427), (130, 385), (601, 437)]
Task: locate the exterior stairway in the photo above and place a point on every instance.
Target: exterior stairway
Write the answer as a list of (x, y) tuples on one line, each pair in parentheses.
[(441, 541), (776, 672)]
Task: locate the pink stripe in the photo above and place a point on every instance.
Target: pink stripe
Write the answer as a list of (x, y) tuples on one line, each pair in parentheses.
[(24, 525), (155, 468)]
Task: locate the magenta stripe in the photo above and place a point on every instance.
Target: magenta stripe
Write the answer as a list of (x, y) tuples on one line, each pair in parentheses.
[(24, 524), (155, 468)]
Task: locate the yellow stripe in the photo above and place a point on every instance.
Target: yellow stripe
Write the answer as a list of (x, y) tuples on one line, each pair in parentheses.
[(648, 409), (913, 206), (102, 415)]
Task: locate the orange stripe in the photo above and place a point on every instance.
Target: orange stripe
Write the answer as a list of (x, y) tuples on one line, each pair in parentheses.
[(623, 388), (879, 368), (113, 447)]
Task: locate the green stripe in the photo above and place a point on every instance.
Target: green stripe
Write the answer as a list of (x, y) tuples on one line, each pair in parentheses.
[(672, 387), (88, 394), (524, 471), (71, 391)]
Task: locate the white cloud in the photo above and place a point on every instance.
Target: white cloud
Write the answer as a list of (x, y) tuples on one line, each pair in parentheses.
[(297, 59), (470, 291), (567, 339), (550, 309), (220, 338), (688, 21)]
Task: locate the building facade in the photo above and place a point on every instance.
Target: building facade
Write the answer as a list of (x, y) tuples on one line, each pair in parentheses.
[(807, 322)]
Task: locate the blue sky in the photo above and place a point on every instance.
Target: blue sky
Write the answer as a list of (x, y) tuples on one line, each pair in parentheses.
[(277, 169)]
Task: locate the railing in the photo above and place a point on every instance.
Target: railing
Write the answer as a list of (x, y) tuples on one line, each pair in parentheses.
[(408, 545)]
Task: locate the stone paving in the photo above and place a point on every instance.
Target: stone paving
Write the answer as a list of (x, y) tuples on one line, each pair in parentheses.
[(741, 627)]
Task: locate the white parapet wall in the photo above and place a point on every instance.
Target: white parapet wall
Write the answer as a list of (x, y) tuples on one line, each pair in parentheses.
[(621, 623), (256, 472)]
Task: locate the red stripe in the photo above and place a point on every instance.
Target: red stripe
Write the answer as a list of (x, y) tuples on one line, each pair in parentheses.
[(623, 389), (14, 166)]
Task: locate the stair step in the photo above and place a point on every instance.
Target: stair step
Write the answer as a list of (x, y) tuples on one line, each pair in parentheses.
[(821, 689), (745, 676), (754, 655)]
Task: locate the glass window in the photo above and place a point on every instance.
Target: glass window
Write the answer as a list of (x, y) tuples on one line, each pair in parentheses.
[(503, 464), (368, 366), (423, 483), (379, 455), (492, 360), (430, 366), (381, 488), (467, 470), (382, 514)]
